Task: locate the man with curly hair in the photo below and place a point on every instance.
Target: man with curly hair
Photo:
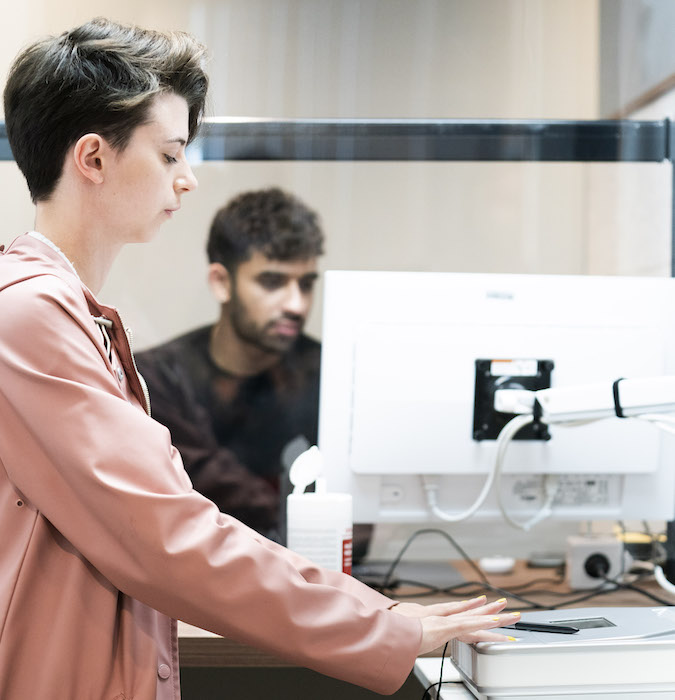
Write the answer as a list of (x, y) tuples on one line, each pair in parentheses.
[(241, 396)]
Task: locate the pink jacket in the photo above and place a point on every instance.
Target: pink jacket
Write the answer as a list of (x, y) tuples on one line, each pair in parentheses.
[(103, 540)]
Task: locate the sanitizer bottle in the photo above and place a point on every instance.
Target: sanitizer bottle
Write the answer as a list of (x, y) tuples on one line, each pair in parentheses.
[(319, 524)]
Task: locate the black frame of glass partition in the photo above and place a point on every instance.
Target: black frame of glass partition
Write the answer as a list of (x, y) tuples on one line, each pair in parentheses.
[(434, 140)]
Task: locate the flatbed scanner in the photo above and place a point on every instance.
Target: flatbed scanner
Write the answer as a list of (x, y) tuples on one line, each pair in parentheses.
[(618, 653)]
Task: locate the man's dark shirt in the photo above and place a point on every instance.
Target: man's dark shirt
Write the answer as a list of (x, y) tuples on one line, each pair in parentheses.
[(237, 435)]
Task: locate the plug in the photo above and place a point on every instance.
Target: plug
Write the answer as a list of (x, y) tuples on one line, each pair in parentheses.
[(520, 401), (592, 558), (597, 565)]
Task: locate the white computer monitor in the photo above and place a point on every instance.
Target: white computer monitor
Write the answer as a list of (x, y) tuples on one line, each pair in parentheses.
[(398, 387)]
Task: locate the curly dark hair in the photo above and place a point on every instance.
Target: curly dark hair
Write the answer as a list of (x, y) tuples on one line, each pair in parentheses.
[(101, 77), (271, 221)]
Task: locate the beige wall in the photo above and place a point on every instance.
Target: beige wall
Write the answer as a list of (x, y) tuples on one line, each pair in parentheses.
[(32, 19), (364, 58), (629, 219), (463, 217), (634, 236), (402, 58), (367, 58)]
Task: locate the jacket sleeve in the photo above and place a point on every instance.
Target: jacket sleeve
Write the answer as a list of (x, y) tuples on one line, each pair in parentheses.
[(108, 479), (214, 470)]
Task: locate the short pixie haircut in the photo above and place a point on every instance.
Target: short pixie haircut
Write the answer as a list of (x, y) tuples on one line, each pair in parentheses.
[(101, 77), (270, 221)]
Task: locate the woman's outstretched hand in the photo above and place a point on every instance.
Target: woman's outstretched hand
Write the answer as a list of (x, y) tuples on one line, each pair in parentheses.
[(468, 621)]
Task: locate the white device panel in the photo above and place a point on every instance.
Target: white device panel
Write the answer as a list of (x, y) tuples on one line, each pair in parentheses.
[(438, 380), (397, 389), (616, 653)]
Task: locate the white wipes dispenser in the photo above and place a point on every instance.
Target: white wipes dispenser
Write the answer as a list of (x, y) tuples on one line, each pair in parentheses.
[(319, 524)]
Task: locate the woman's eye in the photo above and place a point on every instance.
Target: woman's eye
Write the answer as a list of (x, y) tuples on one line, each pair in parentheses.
[(170, 159)]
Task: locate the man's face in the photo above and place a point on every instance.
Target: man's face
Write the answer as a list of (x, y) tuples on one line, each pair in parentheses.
[(270, 300)]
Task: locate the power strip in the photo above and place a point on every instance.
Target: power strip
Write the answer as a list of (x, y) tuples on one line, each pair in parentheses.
[(588, 555)]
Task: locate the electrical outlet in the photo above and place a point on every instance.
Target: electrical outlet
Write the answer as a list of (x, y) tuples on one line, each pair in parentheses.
[(391, 493)]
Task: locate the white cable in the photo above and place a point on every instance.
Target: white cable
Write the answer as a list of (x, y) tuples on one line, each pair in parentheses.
[(431, 489), (577, 423), (432, 503), (550, 483), (663, 581), (505, 436), (658, 417), (664, 422)]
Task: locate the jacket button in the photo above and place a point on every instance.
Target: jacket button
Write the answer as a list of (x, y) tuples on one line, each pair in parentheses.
[(120, 374), (163, 671)]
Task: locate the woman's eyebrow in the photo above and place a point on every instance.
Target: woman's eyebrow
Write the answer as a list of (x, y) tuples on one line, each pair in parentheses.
[(177, 139)]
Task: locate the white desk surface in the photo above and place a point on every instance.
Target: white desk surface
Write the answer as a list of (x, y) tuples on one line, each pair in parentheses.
[(428, 670)]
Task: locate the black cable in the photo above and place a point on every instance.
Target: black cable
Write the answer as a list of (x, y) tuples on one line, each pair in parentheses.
[(428, 531), (450, 590), (608, 586), (457, 588), (537, 581), (440, 681), (637, 589), (595, 592), (534, 605), (425, 695), (505, 593), (528, 603)]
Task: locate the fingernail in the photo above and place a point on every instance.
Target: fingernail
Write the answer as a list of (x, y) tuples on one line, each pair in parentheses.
[(501, 600), (480, 597), (496, 619), (515, 613), (512, 639)]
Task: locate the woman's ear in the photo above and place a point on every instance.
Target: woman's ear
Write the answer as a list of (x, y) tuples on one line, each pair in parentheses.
[(220, 282), (89, 157)]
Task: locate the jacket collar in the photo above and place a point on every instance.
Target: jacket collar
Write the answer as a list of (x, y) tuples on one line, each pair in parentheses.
[(38, 258), (40, 237)]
